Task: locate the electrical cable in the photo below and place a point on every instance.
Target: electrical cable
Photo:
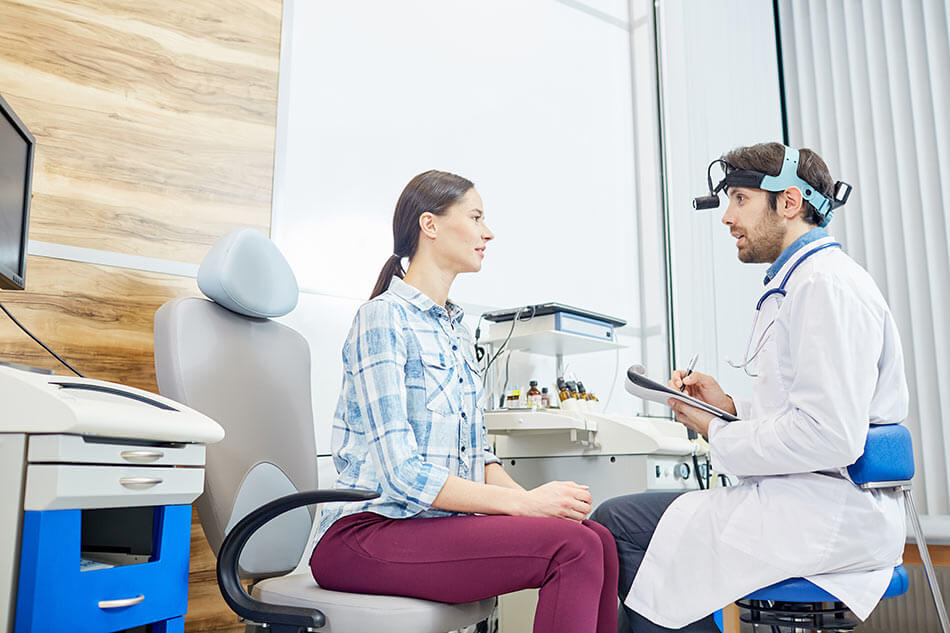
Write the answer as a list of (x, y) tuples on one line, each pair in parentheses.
[(479, 350), (699, 478), (504, 387), (30, 334), (502, 346), (514, 319), (613, 383)]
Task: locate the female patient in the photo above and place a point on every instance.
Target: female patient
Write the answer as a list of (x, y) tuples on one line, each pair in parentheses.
[(450, 524)]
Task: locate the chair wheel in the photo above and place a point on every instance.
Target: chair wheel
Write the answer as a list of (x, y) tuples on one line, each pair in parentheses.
[(824, 616)]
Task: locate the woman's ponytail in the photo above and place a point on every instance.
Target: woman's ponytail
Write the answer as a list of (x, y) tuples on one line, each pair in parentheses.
[(392, 267)]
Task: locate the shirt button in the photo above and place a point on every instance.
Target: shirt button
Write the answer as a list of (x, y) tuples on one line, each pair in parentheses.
[(463, 449), (464, 415), (460, 379), (455, 347)]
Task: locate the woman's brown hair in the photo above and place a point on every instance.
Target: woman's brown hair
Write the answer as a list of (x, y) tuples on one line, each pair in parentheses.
[(433, 191)]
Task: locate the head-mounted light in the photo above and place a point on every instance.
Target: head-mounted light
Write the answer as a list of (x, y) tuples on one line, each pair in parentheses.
[(788, 177)]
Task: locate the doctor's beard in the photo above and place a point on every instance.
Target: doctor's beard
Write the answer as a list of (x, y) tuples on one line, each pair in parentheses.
[(763, 240)]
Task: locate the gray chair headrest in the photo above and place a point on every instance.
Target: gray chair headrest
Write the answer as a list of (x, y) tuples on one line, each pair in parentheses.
[(246, 273)]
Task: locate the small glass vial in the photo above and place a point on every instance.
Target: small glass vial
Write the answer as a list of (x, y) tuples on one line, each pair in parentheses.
[(514, 399), (587, 402), (581, 392), (563, 392), (572, 387), (534, 395), (568, 397), (545, 398)]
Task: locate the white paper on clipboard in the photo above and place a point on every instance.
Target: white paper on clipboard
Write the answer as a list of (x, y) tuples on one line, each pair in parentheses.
[(643, 387)]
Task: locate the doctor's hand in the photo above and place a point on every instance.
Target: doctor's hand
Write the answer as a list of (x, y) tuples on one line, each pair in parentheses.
[(562, 499), (691, 417), (703, 387)]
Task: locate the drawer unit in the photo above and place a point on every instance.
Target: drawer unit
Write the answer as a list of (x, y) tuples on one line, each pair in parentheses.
[(54, 594), (62, 486), (84, 450), (95, 526)]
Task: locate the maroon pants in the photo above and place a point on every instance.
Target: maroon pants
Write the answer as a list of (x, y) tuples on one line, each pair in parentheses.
[(468, 558)]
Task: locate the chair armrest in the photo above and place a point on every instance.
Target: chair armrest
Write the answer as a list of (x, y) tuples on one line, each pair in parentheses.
[(229, 580)]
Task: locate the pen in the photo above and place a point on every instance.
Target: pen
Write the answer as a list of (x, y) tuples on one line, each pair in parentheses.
[(690, 433), (689, 368)]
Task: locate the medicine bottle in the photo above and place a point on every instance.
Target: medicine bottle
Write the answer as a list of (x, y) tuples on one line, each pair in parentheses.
[(563, 392), (514, 398), (572, 387), (534, 396), (545, 398), (581, 392)]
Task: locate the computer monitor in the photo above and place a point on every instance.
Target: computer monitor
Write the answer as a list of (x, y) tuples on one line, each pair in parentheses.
[(16, 177)]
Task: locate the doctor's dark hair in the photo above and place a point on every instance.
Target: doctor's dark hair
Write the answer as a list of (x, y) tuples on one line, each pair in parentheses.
[(768, 158), (433, 191)]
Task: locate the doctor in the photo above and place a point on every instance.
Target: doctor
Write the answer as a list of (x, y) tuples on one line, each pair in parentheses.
[(826, 360)]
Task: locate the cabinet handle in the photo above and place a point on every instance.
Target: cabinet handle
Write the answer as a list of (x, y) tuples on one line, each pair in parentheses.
[(141, 457), (124, 602), (140, 483)]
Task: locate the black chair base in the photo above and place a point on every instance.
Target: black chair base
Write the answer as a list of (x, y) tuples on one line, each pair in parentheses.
[(814, 616)]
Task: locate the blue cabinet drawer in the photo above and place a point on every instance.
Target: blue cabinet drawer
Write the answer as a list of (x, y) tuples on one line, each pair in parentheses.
[(54, 595)]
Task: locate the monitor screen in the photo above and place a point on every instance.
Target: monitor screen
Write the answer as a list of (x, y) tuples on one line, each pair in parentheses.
[(16, 172)]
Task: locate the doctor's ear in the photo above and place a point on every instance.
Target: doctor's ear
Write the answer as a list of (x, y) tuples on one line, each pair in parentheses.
[(427, 224), (790, 203)]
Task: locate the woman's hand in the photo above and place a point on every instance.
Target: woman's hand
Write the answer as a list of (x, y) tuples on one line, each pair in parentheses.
[(562, 499), (703, 387)]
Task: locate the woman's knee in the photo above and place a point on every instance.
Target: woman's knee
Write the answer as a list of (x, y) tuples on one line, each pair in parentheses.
[(601, 531), (579, 546), (607, 541)]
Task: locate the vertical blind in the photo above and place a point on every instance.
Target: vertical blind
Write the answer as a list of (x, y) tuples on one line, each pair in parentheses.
[(868, 87)]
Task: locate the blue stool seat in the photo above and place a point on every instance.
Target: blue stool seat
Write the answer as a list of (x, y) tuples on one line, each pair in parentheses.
[(800, 590), (886, 463)]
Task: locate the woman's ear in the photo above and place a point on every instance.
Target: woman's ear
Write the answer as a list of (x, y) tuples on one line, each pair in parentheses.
[(427, 224)]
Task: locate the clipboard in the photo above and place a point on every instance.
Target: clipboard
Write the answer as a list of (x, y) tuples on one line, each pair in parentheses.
[(643, 387)]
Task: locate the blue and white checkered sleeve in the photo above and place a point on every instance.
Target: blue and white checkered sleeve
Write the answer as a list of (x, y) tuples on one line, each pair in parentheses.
[(490, 457), (377, 362)]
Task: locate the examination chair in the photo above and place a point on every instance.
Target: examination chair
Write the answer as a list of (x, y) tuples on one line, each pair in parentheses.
[(228, 359), (796, 604)]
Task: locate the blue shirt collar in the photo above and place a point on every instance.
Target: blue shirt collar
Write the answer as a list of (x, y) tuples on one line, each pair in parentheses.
[(807, 238), (420, 300)]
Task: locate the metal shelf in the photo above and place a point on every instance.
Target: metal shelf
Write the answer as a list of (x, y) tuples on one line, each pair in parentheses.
[(555, 343), (503, 421)]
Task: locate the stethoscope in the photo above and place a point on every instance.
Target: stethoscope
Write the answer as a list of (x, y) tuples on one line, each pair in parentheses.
[(774, 292)]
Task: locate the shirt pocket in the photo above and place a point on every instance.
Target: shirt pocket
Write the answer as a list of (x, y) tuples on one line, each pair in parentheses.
[(472, 364), (439, 374)]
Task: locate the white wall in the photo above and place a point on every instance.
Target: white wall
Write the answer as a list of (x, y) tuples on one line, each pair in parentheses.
[(720, 91), (532, 100), (550, 107)]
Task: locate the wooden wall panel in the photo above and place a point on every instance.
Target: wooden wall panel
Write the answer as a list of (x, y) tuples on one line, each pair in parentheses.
[(206, 609), (155, 124), (154, 121), (98, 318)]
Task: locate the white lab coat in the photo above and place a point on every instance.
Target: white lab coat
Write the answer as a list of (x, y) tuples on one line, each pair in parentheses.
[(831, 365)]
